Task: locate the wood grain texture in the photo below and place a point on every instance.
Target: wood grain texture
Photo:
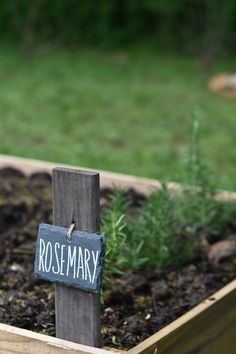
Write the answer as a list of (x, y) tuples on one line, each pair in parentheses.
[(15, 340), (209, 328), (76, 198)]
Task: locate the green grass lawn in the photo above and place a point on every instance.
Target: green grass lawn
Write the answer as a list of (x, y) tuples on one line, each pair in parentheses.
[(125, 111)]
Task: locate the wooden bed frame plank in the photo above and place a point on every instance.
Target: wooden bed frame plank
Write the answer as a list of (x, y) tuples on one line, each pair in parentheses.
[(21, 341), (208, 328), (107, 179)]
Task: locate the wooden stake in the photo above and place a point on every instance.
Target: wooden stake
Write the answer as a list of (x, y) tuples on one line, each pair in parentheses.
[(76, 199)]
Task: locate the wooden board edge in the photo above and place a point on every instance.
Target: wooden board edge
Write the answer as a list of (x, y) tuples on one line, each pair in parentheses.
[(22, 341), (108, 179), (153, 341)]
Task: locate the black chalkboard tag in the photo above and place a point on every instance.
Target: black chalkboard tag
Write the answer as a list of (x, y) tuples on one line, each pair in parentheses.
[(77, 262)]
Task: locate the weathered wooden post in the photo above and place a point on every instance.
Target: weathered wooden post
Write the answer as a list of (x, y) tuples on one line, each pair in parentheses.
[(76, 199), (76, 260)]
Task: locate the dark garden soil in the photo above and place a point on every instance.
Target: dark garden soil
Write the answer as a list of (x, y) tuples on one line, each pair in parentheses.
[(138, 304)]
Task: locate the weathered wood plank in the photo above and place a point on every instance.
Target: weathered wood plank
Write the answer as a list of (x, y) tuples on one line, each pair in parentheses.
[(15, 340), (107, 179), (209, 328), (76, 199)]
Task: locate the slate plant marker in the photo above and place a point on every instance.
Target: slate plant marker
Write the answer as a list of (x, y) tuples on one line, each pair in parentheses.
[(73, 259), (76, 200)]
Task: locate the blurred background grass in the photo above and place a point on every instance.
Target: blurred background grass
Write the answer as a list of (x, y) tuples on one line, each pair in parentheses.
[(121, 96)]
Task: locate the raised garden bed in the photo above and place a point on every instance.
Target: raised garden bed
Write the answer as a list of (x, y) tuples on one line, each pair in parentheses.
[(215, 316)]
